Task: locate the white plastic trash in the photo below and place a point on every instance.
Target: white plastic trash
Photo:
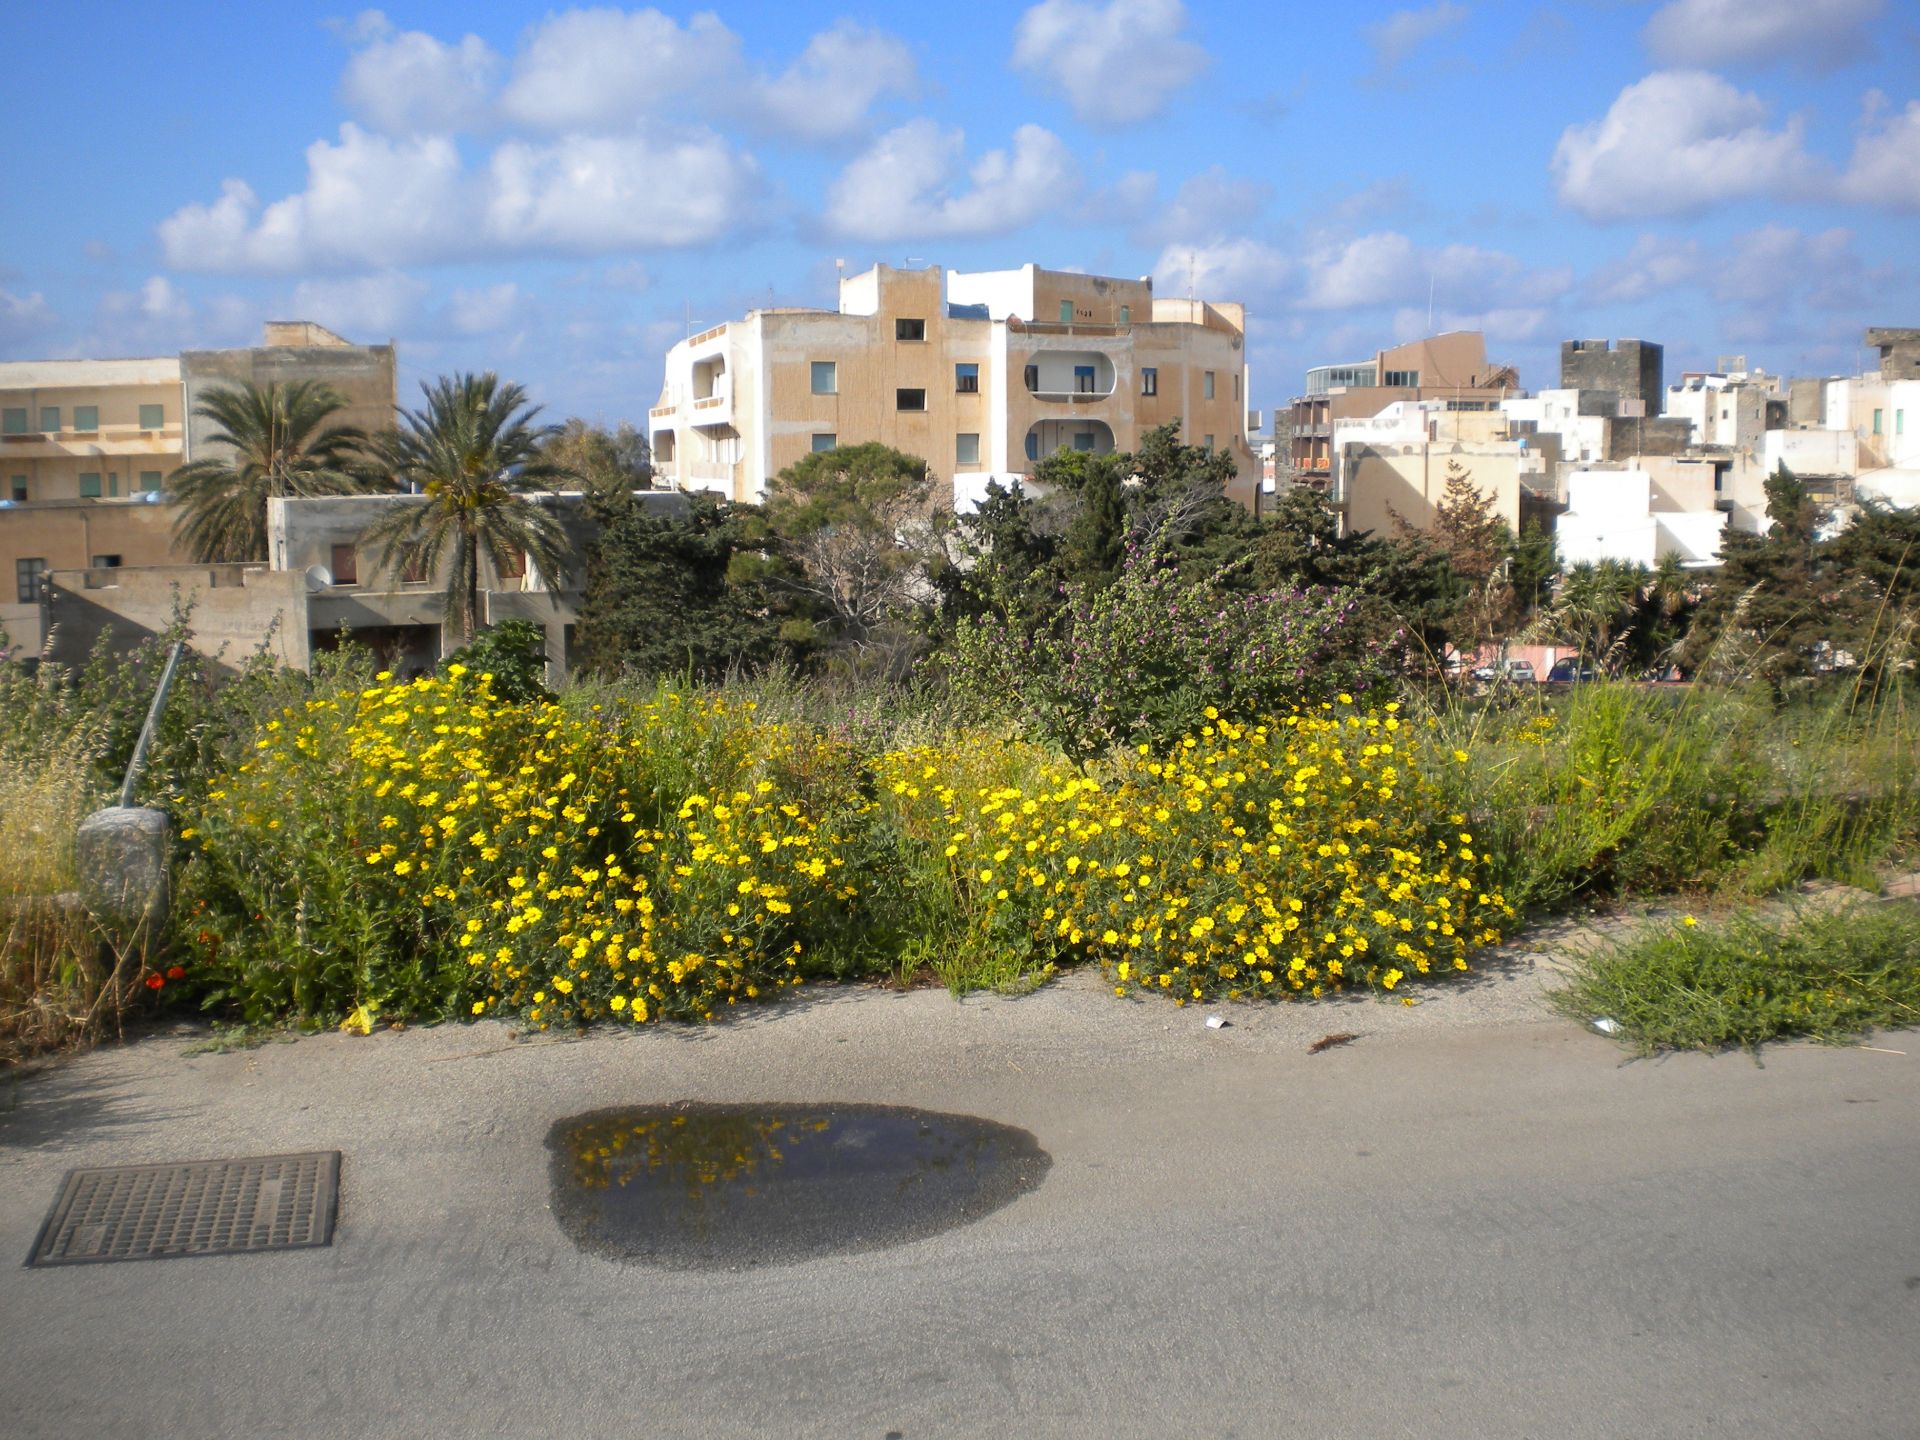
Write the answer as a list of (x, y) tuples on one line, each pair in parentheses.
[(1216, 1022), (1606, 1025)]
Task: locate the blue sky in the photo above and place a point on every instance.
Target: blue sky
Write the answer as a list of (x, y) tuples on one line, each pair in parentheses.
[(556, 194)]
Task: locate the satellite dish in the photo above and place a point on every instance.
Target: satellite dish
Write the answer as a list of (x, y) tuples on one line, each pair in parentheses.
[(318, 577)]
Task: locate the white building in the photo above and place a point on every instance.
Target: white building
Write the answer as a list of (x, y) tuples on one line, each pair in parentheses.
[(1620, 514)]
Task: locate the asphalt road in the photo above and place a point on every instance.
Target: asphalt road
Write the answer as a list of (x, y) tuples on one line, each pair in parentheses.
[(1473, 1221)]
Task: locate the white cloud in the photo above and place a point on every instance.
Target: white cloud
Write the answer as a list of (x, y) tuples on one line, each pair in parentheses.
[(373, 201), (827, 93), (1678, 142), (1386, 268), (1242, 269), (903, 185), (370, 305), (1737, 32), (601, 69), (407, 82), (591, 194), (160, 299), (483, 311), (1401, 33), (1777, 264), (1654, 264), (1212, 203), (1509, 324), (1116, 63), (1886, 162), (24, 316)]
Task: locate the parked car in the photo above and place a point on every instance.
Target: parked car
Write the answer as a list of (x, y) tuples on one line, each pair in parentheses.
[(1571, 672), (1519, 672)]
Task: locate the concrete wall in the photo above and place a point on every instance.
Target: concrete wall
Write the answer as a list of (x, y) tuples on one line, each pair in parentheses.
[(1811, 452), (1899, 352), (364, 375), (1408, 481), (1630, 369), (235, 611), (71, 535), (1615, 515)]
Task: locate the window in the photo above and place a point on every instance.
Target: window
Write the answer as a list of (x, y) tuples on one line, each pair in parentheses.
[(113, 484), (966, 449), (346, 565), (1083, 379), (150, 480), (1083, 440), (516, 566), (26, 574), (1876, 422), (105, 562), (19, 487), (909, 399), (826, 378), (966, 379), (824, 440), (1066, 312), (1033, 445), (1206, 385), (909, 329), (89, 484), (1899, 422), (153, 417), (13, 422), (665, 443), (1033, 379), (86, 417), (1397, 380), (1236, 384), (1126, 314), (1206, 443), (413, 567), (1149, 380), (50, 419)]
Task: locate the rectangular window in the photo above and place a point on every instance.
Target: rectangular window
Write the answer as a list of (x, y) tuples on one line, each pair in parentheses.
[(1236, 384), (113, 484), (150, 481), (1899, 422), (105, 562), (26, 574), (19, 487), (826, 379), (1876, 422), (346, 565), (1149, 380), (824, 440), (13, 422), (413, 569), (1083, 440), (1126, 314), (89, 484), (966, 449), (966, 379), (909, 329), (1206, 385), (1083, 379), (1206, 443), (516, 566), (153, 417), (909, 399), (50, 419), (1033, 379), (86, 417), (1066, 312)]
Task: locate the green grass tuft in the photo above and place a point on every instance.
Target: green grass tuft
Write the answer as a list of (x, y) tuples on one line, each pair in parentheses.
[(1830, 975)]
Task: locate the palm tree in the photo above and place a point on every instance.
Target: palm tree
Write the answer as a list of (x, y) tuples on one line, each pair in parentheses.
[(475, 454), (281, 445)]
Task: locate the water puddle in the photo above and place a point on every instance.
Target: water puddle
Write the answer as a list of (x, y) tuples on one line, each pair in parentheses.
[(721, 1186)]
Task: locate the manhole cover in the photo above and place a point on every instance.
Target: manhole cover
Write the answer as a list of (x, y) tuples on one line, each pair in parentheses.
[(207, 1207), (716, 1186)]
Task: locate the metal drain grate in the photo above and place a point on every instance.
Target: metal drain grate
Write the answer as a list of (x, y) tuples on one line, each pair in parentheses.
[(207, 1207)]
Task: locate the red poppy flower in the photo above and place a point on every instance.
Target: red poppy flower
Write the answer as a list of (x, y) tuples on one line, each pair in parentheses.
[(176, 972), (154, 982)]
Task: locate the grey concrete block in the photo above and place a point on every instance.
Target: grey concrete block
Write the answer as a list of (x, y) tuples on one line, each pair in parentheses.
[(121, 854)]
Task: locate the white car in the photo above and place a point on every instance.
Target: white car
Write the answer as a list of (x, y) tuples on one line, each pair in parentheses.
[(1520, 672)]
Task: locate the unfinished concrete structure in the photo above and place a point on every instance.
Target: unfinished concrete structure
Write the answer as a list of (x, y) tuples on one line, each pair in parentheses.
[(1899, 351), (1632, 370)]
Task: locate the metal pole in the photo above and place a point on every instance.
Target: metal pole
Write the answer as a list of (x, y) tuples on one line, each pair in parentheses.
[(139, 761)]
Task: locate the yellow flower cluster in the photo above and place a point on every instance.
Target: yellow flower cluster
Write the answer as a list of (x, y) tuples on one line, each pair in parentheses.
[(1297, 856), (633, 860)]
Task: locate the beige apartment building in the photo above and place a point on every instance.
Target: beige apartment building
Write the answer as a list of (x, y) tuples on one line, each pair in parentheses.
[(980, 374), (1451, 367), (85, 446)]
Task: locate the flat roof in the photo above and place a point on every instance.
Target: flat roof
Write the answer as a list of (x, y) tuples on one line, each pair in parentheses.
[(80, 374)]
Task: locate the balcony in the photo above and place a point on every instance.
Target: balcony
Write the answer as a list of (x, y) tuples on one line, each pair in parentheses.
[(1093, 437), (129, 440), (663, 412), (1069, 377)]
